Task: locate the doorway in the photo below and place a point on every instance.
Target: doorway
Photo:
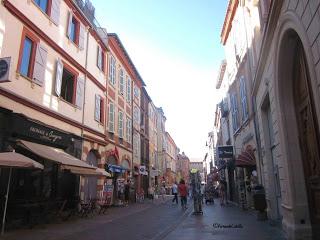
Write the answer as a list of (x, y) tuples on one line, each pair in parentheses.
[(90, 186)]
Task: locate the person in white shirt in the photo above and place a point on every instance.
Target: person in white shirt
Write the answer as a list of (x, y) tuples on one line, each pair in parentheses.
[(175, 192)]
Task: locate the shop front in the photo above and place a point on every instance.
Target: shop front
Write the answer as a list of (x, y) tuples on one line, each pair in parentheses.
[(57, 151)]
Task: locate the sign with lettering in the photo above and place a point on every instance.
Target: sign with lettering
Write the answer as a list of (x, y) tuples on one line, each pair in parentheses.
[(27, 129), (225, 151)]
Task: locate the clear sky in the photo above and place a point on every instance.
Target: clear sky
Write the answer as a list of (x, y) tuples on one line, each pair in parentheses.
[(175, 46)]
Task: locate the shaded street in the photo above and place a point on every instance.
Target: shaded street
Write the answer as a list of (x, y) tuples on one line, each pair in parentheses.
[(157, 221)]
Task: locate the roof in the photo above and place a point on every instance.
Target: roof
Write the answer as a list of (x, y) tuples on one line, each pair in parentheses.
[(115, 36), (232, 7)]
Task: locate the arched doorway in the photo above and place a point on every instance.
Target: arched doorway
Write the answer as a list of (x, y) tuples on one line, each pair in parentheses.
[(90, 186), (301, 126)]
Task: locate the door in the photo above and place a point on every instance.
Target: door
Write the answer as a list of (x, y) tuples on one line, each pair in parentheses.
[(308, 138)]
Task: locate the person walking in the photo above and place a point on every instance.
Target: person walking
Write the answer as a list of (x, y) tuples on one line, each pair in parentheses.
[(126, 193), (151, 192), (183, 192), (175, 192)]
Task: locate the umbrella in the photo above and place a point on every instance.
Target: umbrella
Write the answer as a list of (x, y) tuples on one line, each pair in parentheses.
[(14, 160)]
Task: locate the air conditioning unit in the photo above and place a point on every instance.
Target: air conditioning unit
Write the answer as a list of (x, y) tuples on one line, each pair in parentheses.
[(4, 69)]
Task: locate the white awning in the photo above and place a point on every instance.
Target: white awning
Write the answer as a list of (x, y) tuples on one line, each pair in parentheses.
[(54, 154), (86, 171), (16, 160)]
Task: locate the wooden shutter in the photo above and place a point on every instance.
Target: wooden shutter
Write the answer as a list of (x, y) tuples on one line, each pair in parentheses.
[(99, 59), (97, 108), (81, 36), (69, 25), (80, 92), (111, 117), (40, 64), (59, 72), (55, 11)]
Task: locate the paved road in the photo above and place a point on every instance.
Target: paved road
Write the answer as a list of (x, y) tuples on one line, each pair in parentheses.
[(158, 221)]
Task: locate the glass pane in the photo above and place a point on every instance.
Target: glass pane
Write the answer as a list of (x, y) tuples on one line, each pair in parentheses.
[(67, 86), (42, 4), (26, 55), (73, 30)]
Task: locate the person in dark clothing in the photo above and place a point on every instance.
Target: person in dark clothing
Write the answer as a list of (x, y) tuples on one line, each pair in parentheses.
[(126, 193)]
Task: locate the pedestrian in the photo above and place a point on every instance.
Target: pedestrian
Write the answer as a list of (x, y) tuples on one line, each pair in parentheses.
[(222, 192), (163, 192), (175, 192), (151, 192), (126, 193), (202, 188), (183, 192)]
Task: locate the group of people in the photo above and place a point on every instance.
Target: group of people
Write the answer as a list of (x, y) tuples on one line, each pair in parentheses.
[(182, 190)]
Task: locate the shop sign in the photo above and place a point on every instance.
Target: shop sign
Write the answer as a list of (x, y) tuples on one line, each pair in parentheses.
[(22, 126), (108, 188), (142, 170), (225, 151)]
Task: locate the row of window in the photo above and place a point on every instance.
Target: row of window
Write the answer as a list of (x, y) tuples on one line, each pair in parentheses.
[(121, 121), (124, 80), (244, 105)]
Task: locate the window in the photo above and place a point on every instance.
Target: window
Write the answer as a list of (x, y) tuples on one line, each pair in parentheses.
[(68, 86), (27, 57), (121, 82), (99, 108), (129, 130), (111, 117), (120, 124), (136, 91), (136, 116), (112, 70), (234, 106), (100, 59), (76, 31), (128, 90), (43, 5), (32, 57), (243, 95)]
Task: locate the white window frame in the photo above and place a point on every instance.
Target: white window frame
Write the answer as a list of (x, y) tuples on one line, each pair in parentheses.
[(111, 116), (112, 70), (120, 124), (121, 81)]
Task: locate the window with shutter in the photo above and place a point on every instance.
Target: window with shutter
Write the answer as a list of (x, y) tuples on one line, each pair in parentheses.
[(73, 29), (111, 117), (243, 95), (121, 82), (27, 53), (112, 70), (40, 65), (120, 124), (128, 90), (99, 58), (97, 108), (66, 82)]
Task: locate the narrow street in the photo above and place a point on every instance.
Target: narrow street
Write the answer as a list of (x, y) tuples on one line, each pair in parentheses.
[(157, 221)]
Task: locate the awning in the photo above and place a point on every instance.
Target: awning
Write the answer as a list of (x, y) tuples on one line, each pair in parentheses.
[(116, 168), (86, 171), (246, 158), (17, 160), (54, 154)]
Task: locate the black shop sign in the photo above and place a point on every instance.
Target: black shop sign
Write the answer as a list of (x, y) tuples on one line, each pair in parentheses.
[(25, 128), (225, 151)]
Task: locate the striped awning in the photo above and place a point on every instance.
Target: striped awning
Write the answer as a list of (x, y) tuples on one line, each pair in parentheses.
[(246, 158)]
